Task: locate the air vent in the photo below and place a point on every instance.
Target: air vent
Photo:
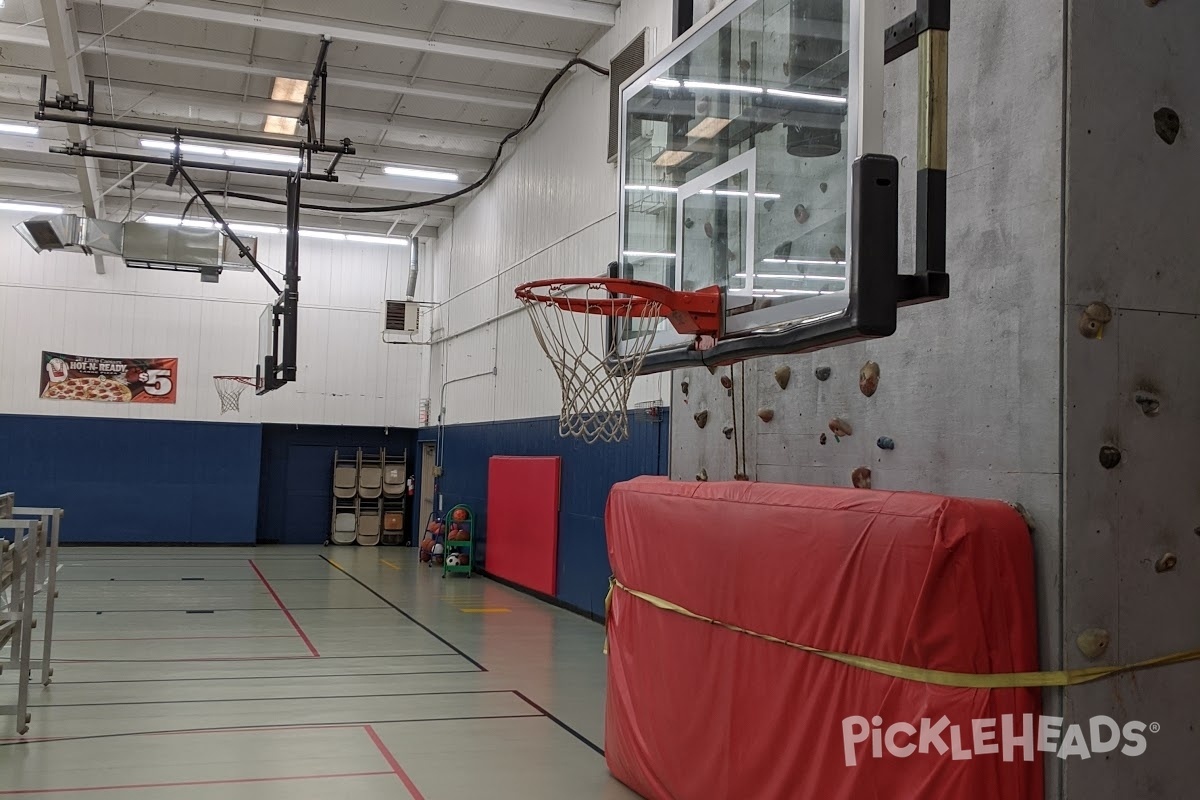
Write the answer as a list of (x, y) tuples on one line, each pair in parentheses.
[(400, 317), (621, 68)]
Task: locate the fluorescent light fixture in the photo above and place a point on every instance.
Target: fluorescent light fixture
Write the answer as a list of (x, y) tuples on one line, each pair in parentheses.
[(784, 292), (638, 188), (767, 196), (645, 254), (36, 208), (257, 230), (13, 127), (708, 127), (416, 172), (334, 235), (816, 262), (257, 155), (194, 149), (671, 158), (395, 241), (281, 125), (768, 276), (819, 98), (666, 83), (289, 90), (723, 87)]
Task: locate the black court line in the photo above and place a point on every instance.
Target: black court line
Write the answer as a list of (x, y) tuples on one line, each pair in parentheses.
[(275, 699), (305, 658), (278, 677), (264, 728), (273, 609), (206, 580), (407, 616), (561, 724), (200, 612)]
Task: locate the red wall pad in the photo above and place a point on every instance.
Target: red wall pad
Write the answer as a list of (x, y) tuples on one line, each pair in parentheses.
[(700, 712), (522, 520)]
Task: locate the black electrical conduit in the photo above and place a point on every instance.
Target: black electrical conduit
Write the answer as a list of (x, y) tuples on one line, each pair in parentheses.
[(537, 110)]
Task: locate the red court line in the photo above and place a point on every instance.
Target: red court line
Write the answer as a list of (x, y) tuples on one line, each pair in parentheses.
[(175, 784), (413, 791), (176, 638), (308, 643), (182, 660)]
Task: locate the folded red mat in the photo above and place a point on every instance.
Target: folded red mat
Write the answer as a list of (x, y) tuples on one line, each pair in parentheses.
[(699, 711)]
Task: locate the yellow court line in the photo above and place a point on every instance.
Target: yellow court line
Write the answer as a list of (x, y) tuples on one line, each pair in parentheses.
[(390, 564), (336, 564)]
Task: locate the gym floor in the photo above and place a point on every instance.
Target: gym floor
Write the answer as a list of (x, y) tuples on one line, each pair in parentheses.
[(301, 672)]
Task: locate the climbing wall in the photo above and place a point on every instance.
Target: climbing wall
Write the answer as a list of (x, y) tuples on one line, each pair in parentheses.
[(967, 400), (1131, 327), (1083, 407)]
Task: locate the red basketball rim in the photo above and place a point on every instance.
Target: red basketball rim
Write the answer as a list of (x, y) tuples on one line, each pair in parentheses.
[(689, 312)]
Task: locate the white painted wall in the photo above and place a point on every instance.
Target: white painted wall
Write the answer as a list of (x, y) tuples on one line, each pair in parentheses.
[(347, 375), (550, 210)]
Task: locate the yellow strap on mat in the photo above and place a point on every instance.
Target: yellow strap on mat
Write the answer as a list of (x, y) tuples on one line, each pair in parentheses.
[(963, 680)]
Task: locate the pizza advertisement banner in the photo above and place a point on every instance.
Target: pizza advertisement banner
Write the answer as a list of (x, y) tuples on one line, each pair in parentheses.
[(108, 380)]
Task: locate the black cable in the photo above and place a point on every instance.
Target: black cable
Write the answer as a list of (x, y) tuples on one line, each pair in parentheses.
[(537, 110)]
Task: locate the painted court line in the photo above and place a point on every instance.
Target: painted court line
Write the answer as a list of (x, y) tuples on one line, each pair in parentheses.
[(485, 610), (178, 638), (307, 642), (384, 561), (413, 791), (178, 784)]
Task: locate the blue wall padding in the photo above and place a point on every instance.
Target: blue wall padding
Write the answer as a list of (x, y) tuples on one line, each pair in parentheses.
[(136, 481), (588, 472)]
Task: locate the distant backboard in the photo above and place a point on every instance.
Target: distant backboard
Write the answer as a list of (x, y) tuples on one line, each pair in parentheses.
[(747, 161), (276, 345)]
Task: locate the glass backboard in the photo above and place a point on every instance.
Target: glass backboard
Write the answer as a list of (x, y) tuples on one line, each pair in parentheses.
[(738, 162), (268, 349)]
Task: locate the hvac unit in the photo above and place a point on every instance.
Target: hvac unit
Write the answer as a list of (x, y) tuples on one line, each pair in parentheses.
[(400, 316)]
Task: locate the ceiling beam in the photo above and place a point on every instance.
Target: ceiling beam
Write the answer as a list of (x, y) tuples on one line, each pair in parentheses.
[(199, 58), (210, 11), (577, 10), (64, 52)]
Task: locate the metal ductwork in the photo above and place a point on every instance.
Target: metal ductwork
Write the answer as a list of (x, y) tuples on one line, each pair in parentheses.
[(413, 266), (141, 245)]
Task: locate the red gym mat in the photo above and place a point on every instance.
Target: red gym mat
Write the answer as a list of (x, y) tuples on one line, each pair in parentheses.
[(696, 711), (522, 520)]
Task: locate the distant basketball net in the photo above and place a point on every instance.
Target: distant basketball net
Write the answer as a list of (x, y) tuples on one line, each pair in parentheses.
[(596, 364), (230, 388)]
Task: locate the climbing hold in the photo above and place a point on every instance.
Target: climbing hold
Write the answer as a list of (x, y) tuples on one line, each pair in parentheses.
[(840, 428), (708, 229), (702, 106), (741, 476), (801, 213), (783, 376), (728, 431), (885, 443), (837, 253), (766, 414), (769, 204), (823, 373), (1093, 642), (683, 387), (1110, 456), (868, 378), (1147, 401), (1093, 319), (1166, 563), (743, 66), (861, 478), (824, 187), (689, 223), (702, 475), (701, 418), (726, 382), (1166, 124)]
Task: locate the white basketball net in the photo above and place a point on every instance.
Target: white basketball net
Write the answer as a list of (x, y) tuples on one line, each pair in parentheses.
[(595, 374), (229, 389)]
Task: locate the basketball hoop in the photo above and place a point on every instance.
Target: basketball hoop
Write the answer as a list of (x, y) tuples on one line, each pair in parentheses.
[(230, 388), (596, 367)]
